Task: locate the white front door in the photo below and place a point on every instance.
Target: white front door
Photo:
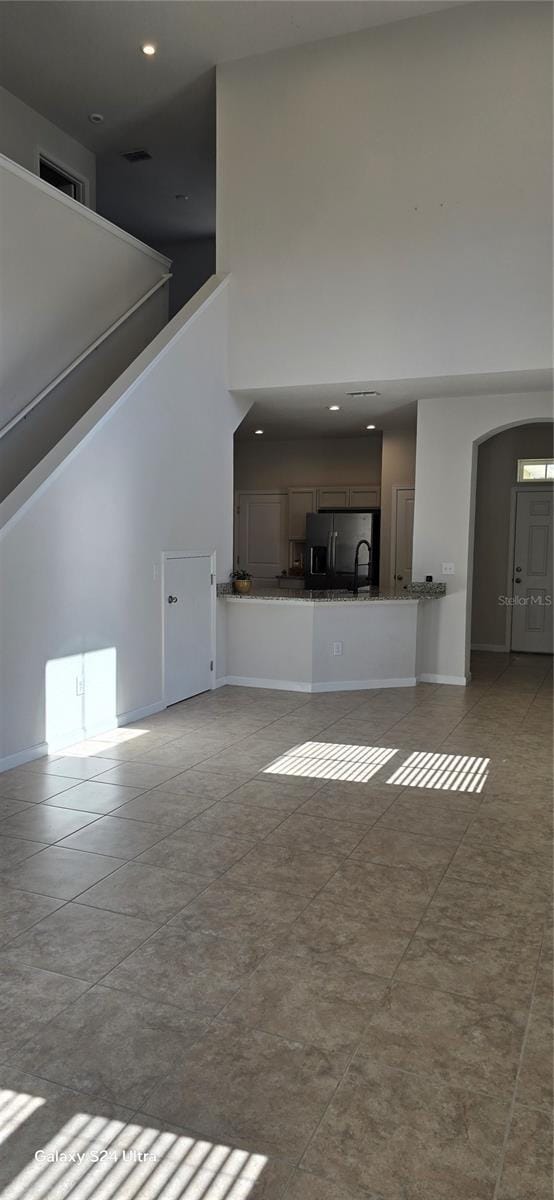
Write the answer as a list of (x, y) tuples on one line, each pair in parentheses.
[(403, 536), (532, 578), (261, 541), (187, 627)]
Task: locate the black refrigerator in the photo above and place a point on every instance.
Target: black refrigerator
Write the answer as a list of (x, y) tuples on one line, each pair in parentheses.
[(331, 540)]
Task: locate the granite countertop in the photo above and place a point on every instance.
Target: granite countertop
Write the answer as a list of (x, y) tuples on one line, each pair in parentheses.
[(415, 591)]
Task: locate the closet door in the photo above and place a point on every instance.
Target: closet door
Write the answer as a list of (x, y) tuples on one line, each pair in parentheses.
[(261, 533)]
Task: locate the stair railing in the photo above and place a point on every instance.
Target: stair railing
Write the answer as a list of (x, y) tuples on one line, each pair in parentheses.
[(24, 412)]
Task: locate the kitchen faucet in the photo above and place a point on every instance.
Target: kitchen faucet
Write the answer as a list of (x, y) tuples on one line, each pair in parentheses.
[(362, 542)]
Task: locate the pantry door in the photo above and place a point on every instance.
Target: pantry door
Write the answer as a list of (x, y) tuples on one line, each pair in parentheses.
[(261, 525)]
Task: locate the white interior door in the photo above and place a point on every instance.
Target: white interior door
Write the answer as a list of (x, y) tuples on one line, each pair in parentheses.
[(532, 579), (187, 627), (403, 536), (261, 541)]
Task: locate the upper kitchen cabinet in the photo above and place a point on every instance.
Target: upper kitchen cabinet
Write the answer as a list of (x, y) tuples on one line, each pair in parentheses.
[(333, 497), (301, 502), (358, 496), (365, 497)]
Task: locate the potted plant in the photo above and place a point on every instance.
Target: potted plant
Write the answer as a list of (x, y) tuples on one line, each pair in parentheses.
[(242, 582)]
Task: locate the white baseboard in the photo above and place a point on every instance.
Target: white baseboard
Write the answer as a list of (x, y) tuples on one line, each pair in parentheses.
[(491, 649), (78, 735), (459, 680), (140, 714), (281, 685), (364, 685), (290, 685), (23, 756)]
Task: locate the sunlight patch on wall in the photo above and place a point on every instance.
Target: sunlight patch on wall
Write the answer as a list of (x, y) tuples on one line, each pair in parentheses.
[(92, 1157), (80, 696), (445, 772), (330, 760)]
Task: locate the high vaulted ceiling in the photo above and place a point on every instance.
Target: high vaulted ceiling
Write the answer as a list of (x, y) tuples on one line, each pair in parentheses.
[(70, 58)]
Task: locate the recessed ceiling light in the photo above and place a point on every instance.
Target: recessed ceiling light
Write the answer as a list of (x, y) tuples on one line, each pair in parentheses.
[(148, 48), (258, 431), (370, 426), (334, 408), (363, 394), (95, 118)]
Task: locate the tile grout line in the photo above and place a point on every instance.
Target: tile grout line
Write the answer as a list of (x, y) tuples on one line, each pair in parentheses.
[(308, 900), (511, 1108)]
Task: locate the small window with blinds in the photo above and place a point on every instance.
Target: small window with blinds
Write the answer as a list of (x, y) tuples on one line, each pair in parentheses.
[(535, 470)]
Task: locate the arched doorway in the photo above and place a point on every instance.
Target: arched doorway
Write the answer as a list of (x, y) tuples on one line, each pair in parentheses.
[(511, 600)]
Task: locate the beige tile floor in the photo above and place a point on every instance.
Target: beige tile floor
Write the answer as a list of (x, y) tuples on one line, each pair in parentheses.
[(326, 980)]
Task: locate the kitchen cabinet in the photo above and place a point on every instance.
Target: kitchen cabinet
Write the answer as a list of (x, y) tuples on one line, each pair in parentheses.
[(301, 502), (333, 497), (365, 497)]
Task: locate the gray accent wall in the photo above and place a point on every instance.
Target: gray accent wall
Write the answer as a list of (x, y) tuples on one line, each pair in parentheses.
[(262, 463)]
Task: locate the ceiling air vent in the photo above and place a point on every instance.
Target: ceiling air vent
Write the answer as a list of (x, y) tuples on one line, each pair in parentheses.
[(134, 156)]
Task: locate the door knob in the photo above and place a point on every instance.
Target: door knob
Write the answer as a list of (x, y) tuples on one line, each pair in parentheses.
[(517, 580), (172, 599)]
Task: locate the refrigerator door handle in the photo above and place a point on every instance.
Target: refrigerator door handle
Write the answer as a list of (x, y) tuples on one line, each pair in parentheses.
[(330, 552), (335, 550)]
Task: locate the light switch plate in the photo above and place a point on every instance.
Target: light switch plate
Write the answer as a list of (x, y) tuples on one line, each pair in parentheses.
[(447, 568), (337, 647)]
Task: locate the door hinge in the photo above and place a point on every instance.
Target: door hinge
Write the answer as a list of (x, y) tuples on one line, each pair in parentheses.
[(211, 664), (211, 580)]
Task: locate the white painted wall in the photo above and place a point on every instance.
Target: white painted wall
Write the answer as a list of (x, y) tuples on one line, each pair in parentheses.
[(384, 201), (378, 643), (496, 476), (448, 433), (294, 462), (66, 275), (29, 440), (289, 643), (269, 643), (149, 468), (24, 132)]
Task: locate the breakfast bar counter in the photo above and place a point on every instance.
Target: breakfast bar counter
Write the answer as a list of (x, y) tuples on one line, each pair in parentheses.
[(324, 641)]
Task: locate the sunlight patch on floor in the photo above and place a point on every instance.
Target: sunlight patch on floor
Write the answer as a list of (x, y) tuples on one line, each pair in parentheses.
[(15, 1108), (96, 1158), (358, 764), (332, 760), (444, 772), (102, 742)]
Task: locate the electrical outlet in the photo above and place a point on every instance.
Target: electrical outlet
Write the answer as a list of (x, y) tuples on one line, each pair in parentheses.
[(447, 568), (337, 647)]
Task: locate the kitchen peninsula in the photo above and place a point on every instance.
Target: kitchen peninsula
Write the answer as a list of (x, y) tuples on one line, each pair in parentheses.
[(318, 641)]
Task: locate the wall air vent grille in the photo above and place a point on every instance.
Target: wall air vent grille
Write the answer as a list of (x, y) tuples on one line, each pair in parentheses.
[(134, 156)]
